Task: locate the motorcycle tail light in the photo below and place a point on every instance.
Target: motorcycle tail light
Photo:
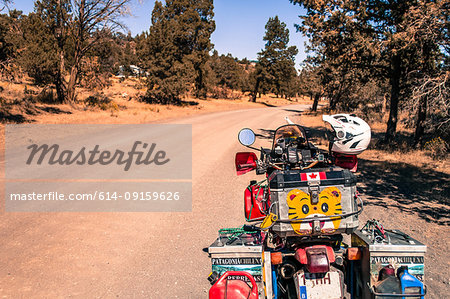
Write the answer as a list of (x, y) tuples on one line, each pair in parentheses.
[(317, 260)]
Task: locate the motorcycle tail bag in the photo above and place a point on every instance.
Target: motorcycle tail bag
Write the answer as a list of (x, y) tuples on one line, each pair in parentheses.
[(299, 196)]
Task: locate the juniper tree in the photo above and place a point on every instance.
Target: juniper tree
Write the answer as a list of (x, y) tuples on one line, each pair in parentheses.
[(276, 63), (227, 72), (66, 31), (8, 49), (178, 45)]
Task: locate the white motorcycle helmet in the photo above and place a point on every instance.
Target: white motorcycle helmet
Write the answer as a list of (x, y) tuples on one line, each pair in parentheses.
[(352, 134)]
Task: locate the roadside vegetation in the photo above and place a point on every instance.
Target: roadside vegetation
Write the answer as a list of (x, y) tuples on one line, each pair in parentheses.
[(384, 60)]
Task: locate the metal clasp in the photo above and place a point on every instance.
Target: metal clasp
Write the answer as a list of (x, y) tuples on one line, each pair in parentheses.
[(313, 188)]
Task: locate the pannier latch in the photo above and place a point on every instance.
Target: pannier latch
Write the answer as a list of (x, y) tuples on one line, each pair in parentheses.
[(313, 188)]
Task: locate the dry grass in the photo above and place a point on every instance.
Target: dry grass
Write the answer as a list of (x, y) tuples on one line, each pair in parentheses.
[(124, 108), (18, 105)]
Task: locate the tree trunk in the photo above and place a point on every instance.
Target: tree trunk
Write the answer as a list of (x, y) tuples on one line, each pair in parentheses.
[(394, 101), (79, 52), (255, 91), (421, 117), (333, 101), (59, 80), (316, 102), (200, 85), (60, 39), (335, 98), (384, 105), (427, 68), (72, 82), (60, 90)]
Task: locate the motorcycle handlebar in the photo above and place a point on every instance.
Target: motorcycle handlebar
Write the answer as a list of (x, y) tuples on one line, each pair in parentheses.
[(247, 165)]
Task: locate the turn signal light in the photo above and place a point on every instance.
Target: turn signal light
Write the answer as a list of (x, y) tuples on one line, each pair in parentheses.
[(276, 258), (354, 253)]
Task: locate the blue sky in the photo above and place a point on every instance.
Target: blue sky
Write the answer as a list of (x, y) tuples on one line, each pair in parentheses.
[(239, 23)]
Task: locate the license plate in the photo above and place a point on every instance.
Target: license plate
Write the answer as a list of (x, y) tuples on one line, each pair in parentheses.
[(312, 286)]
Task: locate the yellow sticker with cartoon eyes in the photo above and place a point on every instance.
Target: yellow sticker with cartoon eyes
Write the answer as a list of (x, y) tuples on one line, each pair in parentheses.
[(300, 206)]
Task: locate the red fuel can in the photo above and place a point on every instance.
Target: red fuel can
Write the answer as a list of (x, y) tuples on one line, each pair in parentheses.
[(232, 286), (256, 202)]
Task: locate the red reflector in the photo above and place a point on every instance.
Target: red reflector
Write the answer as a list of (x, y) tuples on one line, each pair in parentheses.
[(317, 260)]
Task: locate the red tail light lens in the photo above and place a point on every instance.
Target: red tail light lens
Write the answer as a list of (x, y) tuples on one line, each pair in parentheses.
[(317, 260)]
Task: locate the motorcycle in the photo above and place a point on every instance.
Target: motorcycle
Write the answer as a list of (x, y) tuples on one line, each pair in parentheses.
[(294, 245)]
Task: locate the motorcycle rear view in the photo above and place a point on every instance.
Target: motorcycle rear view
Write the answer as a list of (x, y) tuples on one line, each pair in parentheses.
[(293, 246)]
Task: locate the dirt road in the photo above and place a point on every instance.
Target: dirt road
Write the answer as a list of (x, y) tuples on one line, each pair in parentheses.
[(137, 255), (153, 255)]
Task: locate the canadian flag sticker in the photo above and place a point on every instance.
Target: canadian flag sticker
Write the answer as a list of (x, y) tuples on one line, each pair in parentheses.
[(313, 176)]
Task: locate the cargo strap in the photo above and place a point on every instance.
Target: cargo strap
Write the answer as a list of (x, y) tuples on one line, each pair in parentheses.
[(235, 232), (376, 229)]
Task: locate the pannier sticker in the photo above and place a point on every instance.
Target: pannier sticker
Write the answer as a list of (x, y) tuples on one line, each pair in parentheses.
[(313, 176), (300, 206), (415, 264)]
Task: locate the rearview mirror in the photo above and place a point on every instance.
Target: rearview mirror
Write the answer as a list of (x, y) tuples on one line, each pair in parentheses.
[(246, 137)]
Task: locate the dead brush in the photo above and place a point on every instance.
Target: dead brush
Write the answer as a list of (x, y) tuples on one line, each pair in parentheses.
[(437, 148), (102, 102)]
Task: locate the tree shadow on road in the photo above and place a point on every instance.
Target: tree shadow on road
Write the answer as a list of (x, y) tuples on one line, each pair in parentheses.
[(267, 104), (299, 112), (410, 188), (265, 134)]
